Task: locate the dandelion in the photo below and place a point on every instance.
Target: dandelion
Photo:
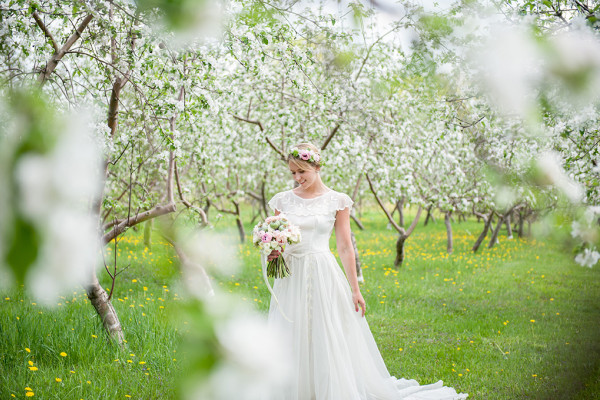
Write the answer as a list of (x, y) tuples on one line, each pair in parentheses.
[(532, 320), (134, 280), (33, 368), (29, 394), (27, 349), (63, 354), (58, 380), (142, 362), (30, 362), (94, 336)]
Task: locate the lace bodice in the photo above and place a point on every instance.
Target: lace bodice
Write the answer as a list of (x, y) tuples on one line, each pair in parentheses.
[(315, 217)]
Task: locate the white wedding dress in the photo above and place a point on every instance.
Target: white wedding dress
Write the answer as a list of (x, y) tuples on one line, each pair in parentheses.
[(334, 354)]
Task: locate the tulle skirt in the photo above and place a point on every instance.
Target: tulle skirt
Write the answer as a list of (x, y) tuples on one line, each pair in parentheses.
[(334, 355)]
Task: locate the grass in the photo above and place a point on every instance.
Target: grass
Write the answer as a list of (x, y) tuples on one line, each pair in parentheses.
[(519, 321)]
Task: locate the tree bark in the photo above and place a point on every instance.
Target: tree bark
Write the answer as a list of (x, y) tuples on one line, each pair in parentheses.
[(103, 306), (400, 208), (400, 251), (238, 221), (494, 238), (507, 222), (357, 222), (402, 238), (403, 233), (136, 219), (449, 245), (58, 55), (486, 228), (429, 216), (359, 274), (520, 225)]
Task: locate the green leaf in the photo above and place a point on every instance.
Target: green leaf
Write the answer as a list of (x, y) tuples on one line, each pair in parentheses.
[(23, 248)]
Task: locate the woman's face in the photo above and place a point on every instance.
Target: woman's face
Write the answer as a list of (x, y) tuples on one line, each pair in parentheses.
[(305, 177)]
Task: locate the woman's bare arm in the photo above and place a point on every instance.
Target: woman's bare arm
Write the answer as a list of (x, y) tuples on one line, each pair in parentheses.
[(346, 252)]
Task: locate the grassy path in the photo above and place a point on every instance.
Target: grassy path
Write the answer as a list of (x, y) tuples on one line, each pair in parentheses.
[(519, 321)]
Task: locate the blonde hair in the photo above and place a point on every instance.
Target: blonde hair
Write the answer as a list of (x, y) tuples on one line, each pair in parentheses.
[(305, 165)]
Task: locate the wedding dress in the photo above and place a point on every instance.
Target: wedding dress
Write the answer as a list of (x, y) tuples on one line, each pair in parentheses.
[(334, 354)]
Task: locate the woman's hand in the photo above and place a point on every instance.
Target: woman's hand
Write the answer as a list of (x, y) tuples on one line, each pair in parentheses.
[(358, 301), (274, 254)]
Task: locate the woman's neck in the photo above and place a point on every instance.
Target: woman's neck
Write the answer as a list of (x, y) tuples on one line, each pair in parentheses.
[(315, 189)]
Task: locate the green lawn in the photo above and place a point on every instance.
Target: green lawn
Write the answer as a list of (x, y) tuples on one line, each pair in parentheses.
[(519, 321)]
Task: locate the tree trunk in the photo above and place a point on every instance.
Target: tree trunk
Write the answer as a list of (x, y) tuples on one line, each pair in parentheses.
[(494, 238), (400, 251), (103, 306), (357, 222), (359, 274), (486, 228), (449, 246), (429, 215), (401, 211), (263, 200), (148, 234), (238, 221), (507, 222), (521, 220)]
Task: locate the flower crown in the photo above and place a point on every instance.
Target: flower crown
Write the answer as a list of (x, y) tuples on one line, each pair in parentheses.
[(306, 155)]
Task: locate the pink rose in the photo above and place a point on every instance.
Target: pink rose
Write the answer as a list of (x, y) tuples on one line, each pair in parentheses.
[(266, 238), (304, 155)]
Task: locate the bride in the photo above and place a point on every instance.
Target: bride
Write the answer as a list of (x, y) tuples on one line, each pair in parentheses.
[(334, 354)]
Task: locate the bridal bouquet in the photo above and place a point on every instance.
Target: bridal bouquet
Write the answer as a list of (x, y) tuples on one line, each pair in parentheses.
[(274, 234)]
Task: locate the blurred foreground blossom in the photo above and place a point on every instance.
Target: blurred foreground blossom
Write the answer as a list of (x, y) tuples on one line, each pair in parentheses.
[(549, 164), (213, 250), (53, 175), (586, 230), (254, 362), (510, 68), (201, 253), (187, 21), (588, 258), (516, 65)]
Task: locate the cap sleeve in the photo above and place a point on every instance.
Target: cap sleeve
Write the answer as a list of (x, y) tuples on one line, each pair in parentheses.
[(275, 202), (343, 202)]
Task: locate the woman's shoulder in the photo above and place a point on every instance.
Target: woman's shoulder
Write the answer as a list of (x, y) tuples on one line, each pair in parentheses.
[(282, 194), (338, 200), (279, 199)]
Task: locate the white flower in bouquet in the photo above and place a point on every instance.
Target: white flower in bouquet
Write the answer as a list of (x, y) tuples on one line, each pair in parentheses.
[(274, 234)]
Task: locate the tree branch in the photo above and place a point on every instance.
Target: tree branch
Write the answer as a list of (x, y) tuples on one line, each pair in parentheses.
[(415, 221), (51, 65), (331, 135), (187, 203), (387, 213), (137, 219), (44, 29), (262, 129), (249, 121)]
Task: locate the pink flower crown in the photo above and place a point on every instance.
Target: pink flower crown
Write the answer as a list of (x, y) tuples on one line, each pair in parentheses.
[(305, 155)]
